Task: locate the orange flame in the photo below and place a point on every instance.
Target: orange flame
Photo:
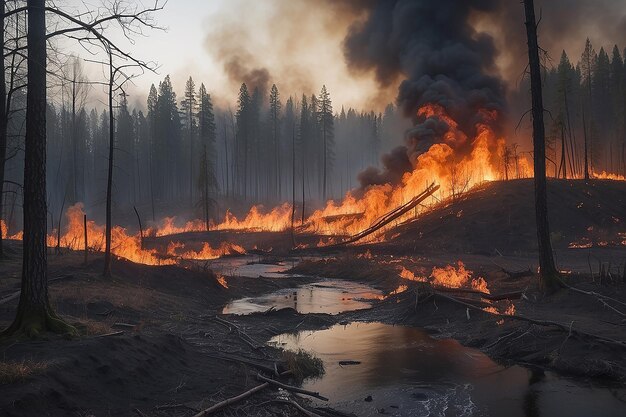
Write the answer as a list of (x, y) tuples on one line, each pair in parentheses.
[(449, 277), (123, 245)]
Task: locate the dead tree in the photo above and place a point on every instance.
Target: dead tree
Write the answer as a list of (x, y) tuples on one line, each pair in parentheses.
[(548, 272), (34, 313), (13, 73)]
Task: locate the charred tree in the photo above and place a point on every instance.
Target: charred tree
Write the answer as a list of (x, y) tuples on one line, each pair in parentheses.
[(3, 122), (34, 313), (107, 245), (548, 274)]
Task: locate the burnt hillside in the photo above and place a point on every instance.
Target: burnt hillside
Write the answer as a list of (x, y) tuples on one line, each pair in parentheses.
[(500, 216)]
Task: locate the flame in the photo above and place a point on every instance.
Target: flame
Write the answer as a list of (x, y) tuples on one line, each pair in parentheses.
[(440, 164), (5, 230), (207, 252), (459, 277), (221, 280), (124, 245), (607, 176), (410, 276), (453, 171)]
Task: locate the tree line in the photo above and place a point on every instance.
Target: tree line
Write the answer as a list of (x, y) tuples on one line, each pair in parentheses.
[(180, 152), (586, 112)]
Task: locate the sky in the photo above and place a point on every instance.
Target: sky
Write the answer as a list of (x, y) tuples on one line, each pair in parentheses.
[(202, 37), (297, 44)]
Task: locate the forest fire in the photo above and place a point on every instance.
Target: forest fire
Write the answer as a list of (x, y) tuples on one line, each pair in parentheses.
[(123, 244), (442, 164), (176, 249), (449, 277), (456, 162)]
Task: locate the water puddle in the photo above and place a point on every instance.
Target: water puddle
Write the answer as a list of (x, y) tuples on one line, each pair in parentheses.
[(252, 267), (330, 296), (403, 371)]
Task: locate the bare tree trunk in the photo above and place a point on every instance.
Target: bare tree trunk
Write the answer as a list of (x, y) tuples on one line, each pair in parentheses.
[(107, 249), (151, 181), (563, 165), (293, 185), (586, 157), (549, 274), (206, 190), (34, 313), (3, 124), (86, 242)]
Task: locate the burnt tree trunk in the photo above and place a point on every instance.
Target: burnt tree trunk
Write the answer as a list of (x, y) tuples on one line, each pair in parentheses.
[(107, 248), (3, 126), (548, 272), (34, 313)]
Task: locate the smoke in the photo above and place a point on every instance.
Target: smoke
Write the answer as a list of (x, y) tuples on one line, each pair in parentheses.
[(295, 44), (564, 25), (443, 60), (395, 164)]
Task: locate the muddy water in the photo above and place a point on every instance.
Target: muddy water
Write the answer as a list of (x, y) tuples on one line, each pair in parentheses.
[(328, 296), (251, 267), (405, 372)]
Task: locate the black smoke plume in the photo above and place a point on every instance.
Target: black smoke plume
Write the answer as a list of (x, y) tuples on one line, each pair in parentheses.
[(443, 60)]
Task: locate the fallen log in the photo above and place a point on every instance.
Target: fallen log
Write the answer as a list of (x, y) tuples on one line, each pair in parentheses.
[(291, 388), (515, 295), (303, 410), (567, 328), (390, 216), (232, 400), (239, 359)]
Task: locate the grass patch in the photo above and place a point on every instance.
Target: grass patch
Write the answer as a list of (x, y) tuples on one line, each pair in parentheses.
[(11, 372), (303, 365)]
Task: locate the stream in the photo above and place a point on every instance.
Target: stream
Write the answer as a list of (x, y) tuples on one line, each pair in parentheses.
[(404, 371), (328, 296)]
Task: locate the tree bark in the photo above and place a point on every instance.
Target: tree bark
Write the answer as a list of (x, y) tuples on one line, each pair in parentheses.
[(548, 272), (107, 249), (34, 313), (3, 126)]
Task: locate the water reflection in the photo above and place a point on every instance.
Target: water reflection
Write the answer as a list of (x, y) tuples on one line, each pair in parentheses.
[(331, 297), (407, 372)]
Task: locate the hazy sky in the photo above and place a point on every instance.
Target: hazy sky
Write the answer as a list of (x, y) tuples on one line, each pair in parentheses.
[(298, 45), (299, 54)]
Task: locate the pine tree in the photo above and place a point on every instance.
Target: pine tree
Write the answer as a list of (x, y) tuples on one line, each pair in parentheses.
[(274, 122), (208, 177), (304, 133), (168, 142), (586, 66), (617, 101), (327, 129), (189, 110), (153, 98), (242, 140)]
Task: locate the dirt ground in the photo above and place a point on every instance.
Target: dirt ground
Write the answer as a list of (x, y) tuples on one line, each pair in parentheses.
[(153, 341)]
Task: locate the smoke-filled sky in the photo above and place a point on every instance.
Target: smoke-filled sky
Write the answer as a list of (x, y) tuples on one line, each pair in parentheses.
[(300, 44)]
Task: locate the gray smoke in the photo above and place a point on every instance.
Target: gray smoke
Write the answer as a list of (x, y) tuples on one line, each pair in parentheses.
[(443, 60)]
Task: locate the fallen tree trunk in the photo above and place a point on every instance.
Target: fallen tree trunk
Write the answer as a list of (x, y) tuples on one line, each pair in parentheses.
[(232, 400), (515, 295), (564, 327), (291, 388), (390, 216)]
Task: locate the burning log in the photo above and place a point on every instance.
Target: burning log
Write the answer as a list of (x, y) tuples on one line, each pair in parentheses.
[(391, 216)]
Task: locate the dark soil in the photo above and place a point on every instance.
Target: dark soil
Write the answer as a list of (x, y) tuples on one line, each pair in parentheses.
[(173, 357)]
